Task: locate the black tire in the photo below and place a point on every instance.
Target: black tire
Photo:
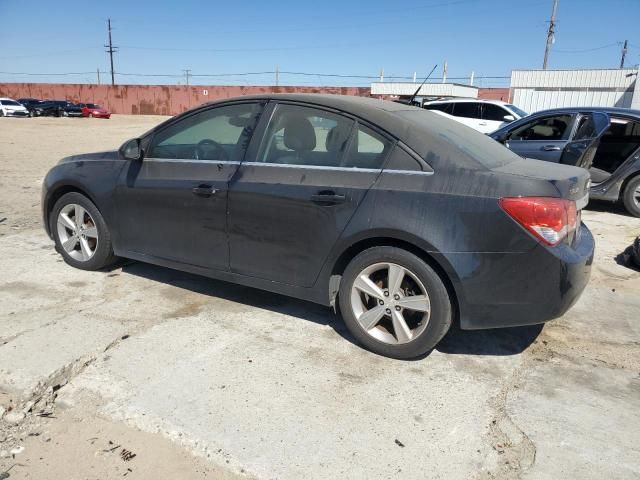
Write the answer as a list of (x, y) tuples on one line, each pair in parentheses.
[(630, 204), (635, 252), (1, 113), (441, 309), (103, 255)]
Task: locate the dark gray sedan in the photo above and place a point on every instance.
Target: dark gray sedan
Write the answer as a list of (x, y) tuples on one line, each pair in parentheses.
[(614, 164), (406, 221)]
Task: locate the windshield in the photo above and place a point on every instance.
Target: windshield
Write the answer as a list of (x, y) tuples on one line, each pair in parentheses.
[(10, 102), (93, 105), (520, 112)]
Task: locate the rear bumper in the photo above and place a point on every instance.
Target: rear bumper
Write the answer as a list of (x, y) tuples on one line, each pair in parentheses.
[(507, 290)]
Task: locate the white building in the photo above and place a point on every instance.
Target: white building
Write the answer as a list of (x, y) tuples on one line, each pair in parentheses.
[(534, 90), (406, 89)]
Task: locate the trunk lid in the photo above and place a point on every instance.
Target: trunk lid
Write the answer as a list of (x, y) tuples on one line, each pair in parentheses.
[(570, 182)]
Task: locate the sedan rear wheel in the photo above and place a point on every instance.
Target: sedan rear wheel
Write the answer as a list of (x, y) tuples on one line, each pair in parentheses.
[(394, 303), (80, 232), (631, 196)]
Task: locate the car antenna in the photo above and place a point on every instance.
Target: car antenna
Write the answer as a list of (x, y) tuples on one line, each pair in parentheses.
[(423, 82)]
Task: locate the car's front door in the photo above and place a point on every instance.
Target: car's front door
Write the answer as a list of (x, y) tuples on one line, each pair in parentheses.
[(543, 138), (296, 191), (173, 204)]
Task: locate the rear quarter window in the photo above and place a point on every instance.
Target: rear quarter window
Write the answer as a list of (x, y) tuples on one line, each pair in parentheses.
[(462, 144)]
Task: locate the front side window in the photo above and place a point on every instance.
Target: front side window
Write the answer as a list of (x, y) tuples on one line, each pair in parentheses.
[(9, 103), (310, 137), (220, 133), (547, 128), (466, 109)]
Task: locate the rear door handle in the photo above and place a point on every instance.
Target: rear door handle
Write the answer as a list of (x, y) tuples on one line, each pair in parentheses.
[(204, 190), (328, 198), (551, 148)]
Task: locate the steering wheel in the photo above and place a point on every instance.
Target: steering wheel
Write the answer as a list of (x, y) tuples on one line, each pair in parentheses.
[(208, 149)]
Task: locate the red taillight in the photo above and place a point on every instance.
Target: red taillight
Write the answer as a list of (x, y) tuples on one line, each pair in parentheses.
[(548, 219)]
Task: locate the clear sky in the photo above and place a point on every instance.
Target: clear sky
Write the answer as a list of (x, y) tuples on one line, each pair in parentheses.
[(489, 37)]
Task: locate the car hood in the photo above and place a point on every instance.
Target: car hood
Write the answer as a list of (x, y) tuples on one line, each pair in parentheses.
[(91, 157), (98, 110)]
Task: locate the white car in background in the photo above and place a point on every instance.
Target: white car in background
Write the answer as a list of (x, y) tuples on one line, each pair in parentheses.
[(485, 116), (11, 108)]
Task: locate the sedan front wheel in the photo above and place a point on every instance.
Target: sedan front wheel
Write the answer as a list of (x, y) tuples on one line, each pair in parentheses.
[(394, 303), (80, 232)]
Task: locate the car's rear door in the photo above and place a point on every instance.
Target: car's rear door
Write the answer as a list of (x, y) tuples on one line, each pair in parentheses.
[(581, 150), (297, 189), (542, 138), (470, 113), (493, 117), (173, 204)]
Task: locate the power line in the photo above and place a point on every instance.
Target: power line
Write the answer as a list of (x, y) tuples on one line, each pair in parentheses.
[(586, 50)]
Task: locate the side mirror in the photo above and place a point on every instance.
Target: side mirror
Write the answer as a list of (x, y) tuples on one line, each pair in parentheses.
[(131, 150), (508, 118)]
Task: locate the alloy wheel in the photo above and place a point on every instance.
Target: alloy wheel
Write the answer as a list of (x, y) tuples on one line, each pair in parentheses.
[(77, 232), (636, 196), (390, 303)]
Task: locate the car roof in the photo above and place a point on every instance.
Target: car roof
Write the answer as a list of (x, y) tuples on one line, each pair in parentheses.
[(463, 100), (613, 110)]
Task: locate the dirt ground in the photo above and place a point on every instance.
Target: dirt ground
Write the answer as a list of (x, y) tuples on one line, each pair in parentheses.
[(145, 373)]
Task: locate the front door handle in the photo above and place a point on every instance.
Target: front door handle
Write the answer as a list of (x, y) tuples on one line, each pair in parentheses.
[(204, 190), (551, 148), (328, 197)]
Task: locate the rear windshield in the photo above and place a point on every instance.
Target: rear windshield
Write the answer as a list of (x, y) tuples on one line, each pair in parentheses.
[(10, 102), (480, 149)]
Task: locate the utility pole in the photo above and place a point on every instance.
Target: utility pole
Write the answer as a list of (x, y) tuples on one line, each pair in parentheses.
[(445, 70), (187, 74), (111, 50), (277, 75), (98, 71), (550, 34), (624, 54)]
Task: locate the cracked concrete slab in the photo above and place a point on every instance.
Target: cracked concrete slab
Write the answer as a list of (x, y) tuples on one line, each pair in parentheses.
[(279, 397), (32, 358), (585, 423)]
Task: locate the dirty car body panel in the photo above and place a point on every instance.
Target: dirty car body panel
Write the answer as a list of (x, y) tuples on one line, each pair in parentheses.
[(290, 229)]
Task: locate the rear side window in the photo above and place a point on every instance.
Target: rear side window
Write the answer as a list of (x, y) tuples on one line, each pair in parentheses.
[(402, 161), (586, 129), (311, 137), (368, 149), (466, 109), (494, 113)]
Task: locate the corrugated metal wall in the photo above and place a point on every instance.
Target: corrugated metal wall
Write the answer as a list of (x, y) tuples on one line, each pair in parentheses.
[(153, 99), (534, 90)]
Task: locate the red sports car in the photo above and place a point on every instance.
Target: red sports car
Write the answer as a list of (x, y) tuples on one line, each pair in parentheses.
[(94, 110)]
